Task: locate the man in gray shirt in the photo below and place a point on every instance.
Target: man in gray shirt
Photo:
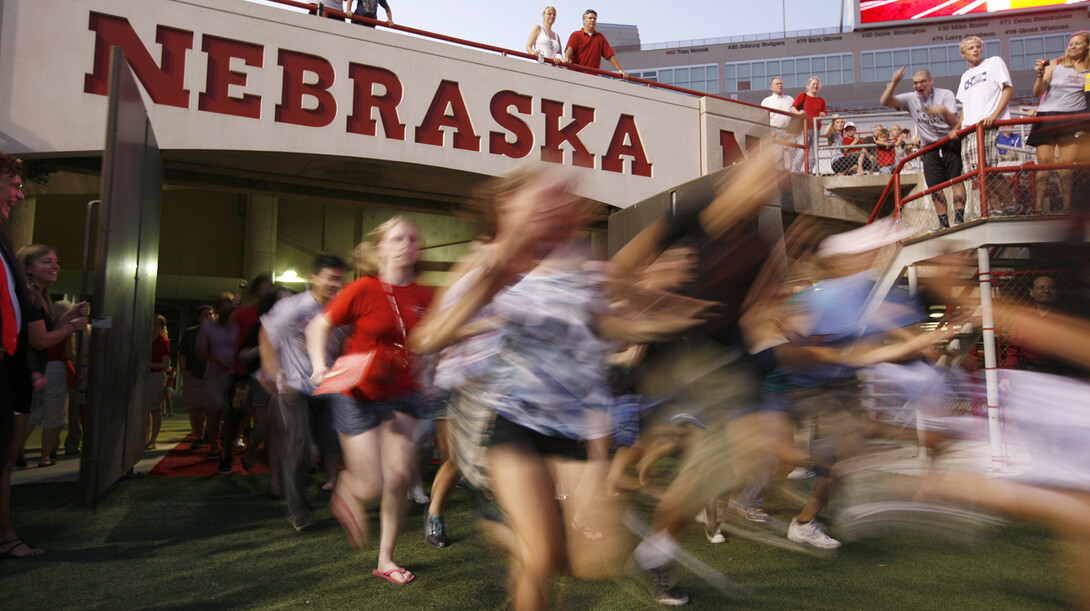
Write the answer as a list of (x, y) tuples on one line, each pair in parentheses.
[(285, 359), (935, 112)]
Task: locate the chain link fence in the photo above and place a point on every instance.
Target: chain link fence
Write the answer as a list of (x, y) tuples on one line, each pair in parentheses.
[(957, 387)]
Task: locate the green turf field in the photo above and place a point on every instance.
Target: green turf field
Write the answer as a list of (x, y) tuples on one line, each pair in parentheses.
[(222, 543)]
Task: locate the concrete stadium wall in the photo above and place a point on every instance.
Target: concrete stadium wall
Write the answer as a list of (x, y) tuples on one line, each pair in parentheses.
[(231, 76)]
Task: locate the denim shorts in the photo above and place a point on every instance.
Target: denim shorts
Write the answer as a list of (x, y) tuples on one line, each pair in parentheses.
[(353, 417)]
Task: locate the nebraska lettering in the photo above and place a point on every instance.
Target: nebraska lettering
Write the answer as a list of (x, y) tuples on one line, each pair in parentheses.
[(306, 99)]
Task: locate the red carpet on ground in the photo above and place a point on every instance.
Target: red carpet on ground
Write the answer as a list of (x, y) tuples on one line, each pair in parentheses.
[(184, 462)]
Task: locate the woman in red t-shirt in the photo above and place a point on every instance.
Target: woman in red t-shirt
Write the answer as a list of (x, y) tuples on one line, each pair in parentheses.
[(157, 378), (814, 108), (375, 424)]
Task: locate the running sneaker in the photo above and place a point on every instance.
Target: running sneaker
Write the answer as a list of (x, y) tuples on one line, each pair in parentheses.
[(753, 514), (710, 516), (801, 473), (417, 495), (660, 584), (303, 521), (226, 464), (435, 531), (198, 443), (811, 533)]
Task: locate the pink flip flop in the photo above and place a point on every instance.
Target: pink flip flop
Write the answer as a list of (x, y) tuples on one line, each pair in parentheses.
[(387, 574)]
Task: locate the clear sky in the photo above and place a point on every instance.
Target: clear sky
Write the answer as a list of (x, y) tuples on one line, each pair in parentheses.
[(507, 23)]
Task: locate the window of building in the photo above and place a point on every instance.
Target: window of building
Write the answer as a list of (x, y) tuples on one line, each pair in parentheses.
[(831, 69), (941, 60), (699, 78), (1025, 51)]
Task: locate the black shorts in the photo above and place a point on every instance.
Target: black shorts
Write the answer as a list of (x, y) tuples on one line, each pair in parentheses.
[(1055, 132), (942, 164), (506, 432)]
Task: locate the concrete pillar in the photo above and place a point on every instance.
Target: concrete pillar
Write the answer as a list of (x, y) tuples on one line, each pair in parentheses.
[(20, 225), (259, 248)]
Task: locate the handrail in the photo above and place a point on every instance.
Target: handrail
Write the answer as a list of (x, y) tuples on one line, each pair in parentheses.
[(981, 168)]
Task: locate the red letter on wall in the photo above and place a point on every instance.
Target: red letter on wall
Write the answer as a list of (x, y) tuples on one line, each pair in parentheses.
[(216, 96), (732, 153), (524, 137), (448, 94), (364, 99), (612, 162), (290, 110), (554, 136), (165, 85)]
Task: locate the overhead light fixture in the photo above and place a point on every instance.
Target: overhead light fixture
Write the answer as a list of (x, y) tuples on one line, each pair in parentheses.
[(289, 275)]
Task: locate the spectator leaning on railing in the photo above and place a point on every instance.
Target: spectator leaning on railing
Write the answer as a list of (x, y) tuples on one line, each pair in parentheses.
[(786, 157), (885, 154), (1062, 83), (935, 112), (327, 5), (984, 92), (587, 47), (369, 8), (814, 108)]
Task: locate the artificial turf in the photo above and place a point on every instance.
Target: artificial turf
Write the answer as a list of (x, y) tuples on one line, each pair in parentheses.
[(222, 543)]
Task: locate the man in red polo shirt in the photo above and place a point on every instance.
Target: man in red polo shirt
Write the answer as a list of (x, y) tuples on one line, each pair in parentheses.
[(587, 47)]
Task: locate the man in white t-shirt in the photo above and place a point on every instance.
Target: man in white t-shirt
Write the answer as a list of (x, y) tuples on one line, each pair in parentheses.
[(787, 157), (984, 92)]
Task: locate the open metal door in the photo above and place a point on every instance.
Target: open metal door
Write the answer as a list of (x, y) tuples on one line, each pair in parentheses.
[(125, 264)]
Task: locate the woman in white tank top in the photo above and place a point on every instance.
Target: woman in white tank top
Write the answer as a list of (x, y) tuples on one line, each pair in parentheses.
[(543, 41), (1061, 82)]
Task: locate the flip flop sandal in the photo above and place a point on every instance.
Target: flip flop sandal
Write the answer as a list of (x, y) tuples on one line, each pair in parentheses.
[(17, 544), (405, 574), (340, 509)]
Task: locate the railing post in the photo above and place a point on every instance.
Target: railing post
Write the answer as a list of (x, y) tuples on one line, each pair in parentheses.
[(896, 195), (991, 382), (808, 125), (981, 178)]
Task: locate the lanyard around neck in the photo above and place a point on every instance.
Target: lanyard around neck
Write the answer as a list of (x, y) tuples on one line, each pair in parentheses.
[(393, 303)]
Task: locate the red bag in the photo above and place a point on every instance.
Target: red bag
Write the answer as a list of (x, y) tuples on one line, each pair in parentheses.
[(373, 374)]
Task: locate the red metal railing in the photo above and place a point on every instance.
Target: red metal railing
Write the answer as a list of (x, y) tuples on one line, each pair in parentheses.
[(979, 174), (312, 6)]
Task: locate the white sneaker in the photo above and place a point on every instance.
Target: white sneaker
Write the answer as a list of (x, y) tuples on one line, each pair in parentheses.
[(812, 534), (417, 495), (755, 514), (709, 517), (800, 473)]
